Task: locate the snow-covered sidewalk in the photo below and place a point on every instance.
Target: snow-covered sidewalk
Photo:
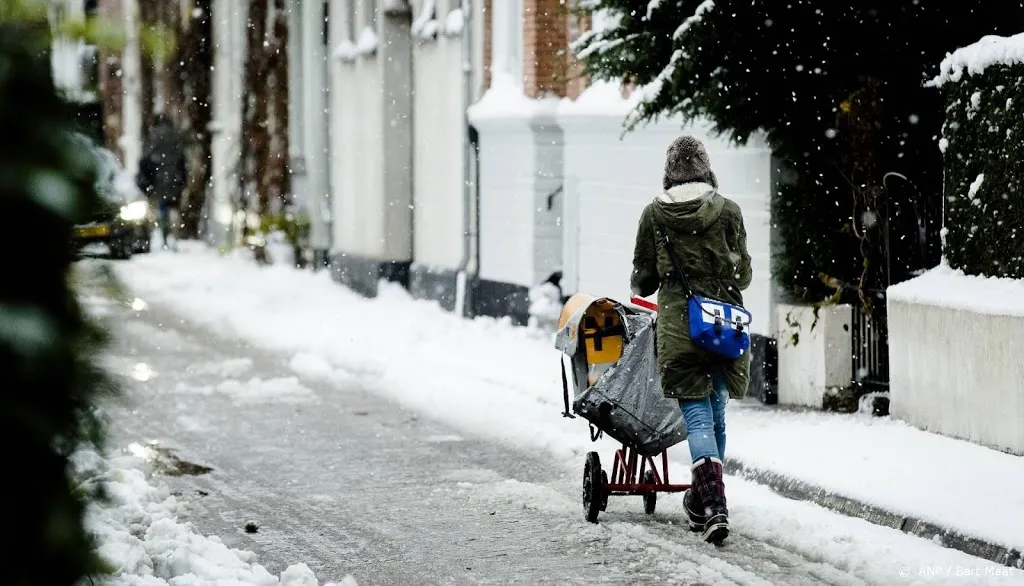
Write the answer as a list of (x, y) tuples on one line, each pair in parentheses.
[(489, 378), (139, 536)]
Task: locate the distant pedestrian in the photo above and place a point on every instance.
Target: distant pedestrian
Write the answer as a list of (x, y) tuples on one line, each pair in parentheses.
[(163, 175), (708, 237)]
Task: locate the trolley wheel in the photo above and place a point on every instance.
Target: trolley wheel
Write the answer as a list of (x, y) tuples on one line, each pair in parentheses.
[(593, 488), (650, 498), (604, 493)]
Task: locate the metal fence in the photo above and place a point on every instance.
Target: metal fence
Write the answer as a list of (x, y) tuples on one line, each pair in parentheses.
[(871, 345)]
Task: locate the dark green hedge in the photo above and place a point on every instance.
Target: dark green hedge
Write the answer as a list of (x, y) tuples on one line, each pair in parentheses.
[(50, 379), (984, 136)]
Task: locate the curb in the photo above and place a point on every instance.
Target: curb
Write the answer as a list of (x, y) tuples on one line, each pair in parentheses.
[(945, 536)]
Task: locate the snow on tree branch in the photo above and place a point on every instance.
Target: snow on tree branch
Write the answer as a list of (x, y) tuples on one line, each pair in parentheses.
[(652, 6), (603, 45), (653, 91), (698, 14)]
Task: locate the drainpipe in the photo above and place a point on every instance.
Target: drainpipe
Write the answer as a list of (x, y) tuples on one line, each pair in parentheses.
[(463, 289)]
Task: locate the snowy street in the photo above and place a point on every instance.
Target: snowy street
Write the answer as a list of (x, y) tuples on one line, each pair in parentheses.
[(311, 440), (289, 279), (340, 479)]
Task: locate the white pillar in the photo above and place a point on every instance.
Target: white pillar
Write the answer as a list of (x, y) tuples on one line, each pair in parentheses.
[(228, 20), (313, 94), (131, 83), (296, 107)]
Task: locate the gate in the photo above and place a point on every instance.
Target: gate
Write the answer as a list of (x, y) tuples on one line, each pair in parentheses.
[(908, 245), (870, 331)]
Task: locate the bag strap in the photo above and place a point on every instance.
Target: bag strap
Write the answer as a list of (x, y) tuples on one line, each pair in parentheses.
[(565, 391), (677, 265)]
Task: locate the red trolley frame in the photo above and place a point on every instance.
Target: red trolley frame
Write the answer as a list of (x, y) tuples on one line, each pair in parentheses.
[(632, 474), (626, 477)]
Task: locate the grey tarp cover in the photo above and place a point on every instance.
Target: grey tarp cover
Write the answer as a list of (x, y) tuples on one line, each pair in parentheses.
[(626, 403)]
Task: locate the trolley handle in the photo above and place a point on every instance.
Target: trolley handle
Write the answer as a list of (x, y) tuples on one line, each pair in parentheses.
[(644, 304)]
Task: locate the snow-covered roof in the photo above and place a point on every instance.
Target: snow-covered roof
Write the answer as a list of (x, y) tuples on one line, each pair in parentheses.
[(976, 57)]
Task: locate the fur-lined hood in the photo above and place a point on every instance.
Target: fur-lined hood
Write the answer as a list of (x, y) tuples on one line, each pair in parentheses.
[(690, 207)]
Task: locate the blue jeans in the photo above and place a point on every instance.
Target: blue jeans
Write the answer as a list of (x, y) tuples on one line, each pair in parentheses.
[(705, 422), (168, 220)]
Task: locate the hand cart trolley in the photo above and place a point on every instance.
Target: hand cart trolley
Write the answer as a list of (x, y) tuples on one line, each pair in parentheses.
[(611, 354)]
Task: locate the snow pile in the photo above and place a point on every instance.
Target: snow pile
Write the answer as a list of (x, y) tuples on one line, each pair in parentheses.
[(256, 390), (454, 23), (367, 43), (138, 534), (279, 249), (946, 287), (222, 368), (505, 99), (425, 26), (488, 378), (346, 51), (975, 58), (600, 98), (545, 304)]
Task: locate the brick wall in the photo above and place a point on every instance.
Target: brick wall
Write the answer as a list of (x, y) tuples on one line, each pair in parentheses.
[(545, 46), (549, 67), (577, 81), (110, 87)]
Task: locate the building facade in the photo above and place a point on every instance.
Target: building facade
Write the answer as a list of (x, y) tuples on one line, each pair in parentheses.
[(309, 119), (542, 180)]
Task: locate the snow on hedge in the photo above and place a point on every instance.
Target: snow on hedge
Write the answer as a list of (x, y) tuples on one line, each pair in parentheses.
[(975, 58), (138, 533), (983, 154)]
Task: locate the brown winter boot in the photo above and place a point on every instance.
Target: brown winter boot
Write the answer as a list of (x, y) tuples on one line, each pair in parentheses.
[(693, 507), (707, 478)]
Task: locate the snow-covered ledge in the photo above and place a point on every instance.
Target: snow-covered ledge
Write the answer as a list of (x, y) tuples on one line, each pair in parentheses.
[(955, 345), (815, 353)]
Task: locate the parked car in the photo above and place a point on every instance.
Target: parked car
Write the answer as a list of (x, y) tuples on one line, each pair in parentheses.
[(124, 223)]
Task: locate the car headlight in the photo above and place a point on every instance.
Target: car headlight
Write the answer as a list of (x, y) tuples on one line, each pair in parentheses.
[(136, 210)]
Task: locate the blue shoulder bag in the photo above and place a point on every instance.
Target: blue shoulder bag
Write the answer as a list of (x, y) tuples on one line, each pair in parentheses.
[(716, 326)]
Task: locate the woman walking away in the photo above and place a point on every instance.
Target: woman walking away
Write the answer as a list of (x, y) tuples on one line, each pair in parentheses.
[(706, 232)]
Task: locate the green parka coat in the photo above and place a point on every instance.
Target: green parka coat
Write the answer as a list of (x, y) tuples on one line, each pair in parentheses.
[(707, 232)]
